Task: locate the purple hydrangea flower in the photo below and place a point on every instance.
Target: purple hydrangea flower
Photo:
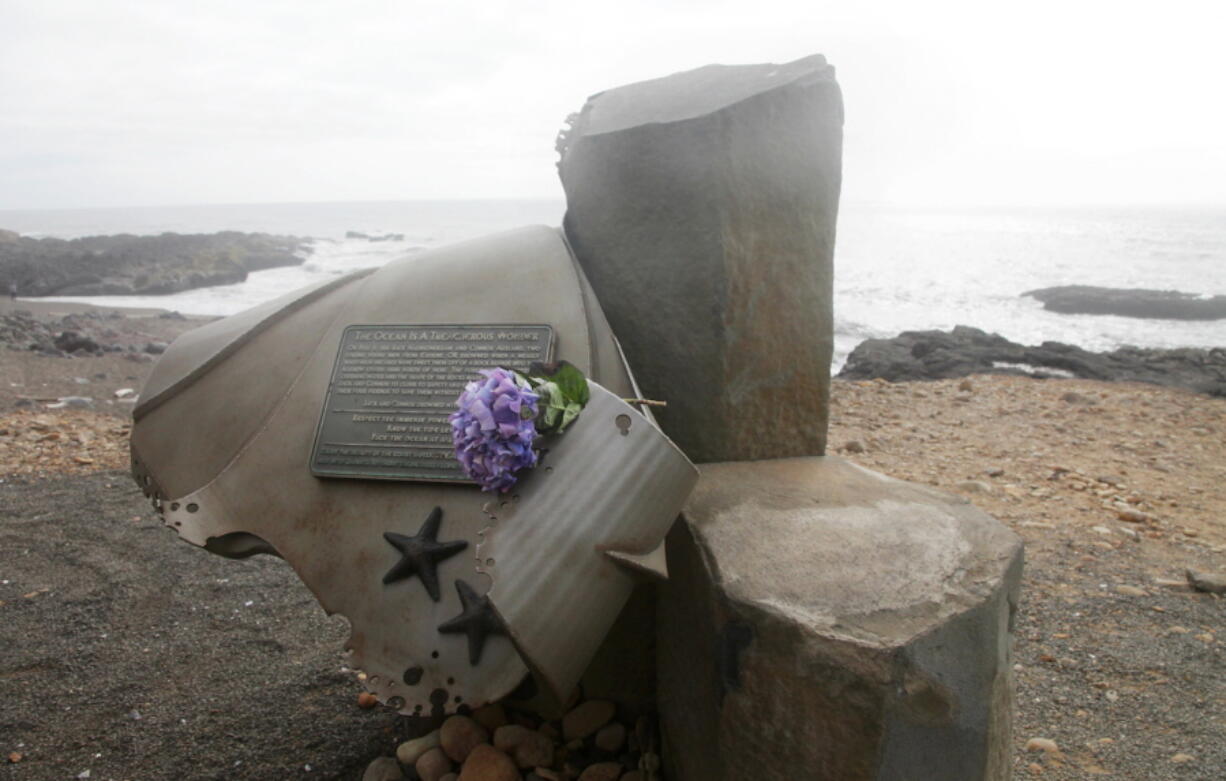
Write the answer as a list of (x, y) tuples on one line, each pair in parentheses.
[(493, 429)]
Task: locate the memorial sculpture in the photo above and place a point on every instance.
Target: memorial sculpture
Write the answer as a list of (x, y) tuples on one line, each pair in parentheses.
[(817, 621)]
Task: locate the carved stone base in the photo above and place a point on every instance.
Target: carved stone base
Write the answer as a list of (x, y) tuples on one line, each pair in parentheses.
[(822, 621)]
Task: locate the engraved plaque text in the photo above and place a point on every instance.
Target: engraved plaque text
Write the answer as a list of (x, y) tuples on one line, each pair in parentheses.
[(393, 386)]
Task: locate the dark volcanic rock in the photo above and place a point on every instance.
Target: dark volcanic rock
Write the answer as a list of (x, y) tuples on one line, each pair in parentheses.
[(702, 208), (140, 265), (934, 355), (1136, 302)]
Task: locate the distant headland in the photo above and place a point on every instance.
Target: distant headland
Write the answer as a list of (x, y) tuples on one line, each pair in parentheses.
[(140, 265)]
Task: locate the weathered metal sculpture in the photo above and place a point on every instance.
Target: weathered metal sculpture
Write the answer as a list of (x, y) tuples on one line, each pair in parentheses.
[(821, 621), (314, 427)]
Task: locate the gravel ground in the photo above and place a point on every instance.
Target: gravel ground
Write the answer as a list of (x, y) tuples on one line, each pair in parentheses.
[(235, 672), (133, 656), (1118, 662)]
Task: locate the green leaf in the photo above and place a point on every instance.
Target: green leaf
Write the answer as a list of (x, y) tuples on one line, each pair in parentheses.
[(567, 377), (569, 414)]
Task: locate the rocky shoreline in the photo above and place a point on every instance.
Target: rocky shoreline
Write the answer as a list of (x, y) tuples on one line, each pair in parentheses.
[(1130, 302), (140, 265), (937, 355)]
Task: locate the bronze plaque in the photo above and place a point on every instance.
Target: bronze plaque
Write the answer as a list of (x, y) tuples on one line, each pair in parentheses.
[(393, 386)]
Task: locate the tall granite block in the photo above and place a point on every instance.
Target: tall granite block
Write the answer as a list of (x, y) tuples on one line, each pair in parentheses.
[(702, 208), (825, 622)]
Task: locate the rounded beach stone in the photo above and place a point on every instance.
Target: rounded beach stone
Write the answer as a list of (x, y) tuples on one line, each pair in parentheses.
[(409, 751), (490, 716), (459, 735), (383, 769), (602, 771), (433, 765), (587, 718), (611, 737), (535, 750), (487, 763), (507, 738)]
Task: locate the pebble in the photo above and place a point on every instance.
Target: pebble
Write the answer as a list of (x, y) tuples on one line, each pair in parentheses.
[(1212, 583), (1131, 591), (602, 771), (490, 716), (366, 700), (487, 763), (994, 472), (966, 385), (536, 750), (1132, 516), (409, 751), (587, 718), (854, 446), (459, 735), (611, 737), (974, 487), (1042, 744), (509, 736), (1181, 758), (15, 757), (432, 765), (383, 769)]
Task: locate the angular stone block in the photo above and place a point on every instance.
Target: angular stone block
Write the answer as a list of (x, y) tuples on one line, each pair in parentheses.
[(702, 208), (823, 621)]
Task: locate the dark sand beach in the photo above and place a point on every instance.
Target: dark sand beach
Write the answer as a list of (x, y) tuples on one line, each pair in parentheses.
[(128, 654)]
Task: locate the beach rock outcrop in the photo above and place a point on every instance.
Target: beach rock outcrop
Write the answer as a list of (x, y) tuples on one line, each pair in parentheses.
[(1131, 302), (141, 265), (702, 208), (935, 355)]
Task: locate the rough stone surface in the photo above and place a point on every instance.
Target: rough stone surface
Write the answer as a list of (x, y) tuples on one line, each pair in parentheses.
[(702, 208), (823, 621), (1210, 582), (587, 718), (487, 763), (934, 355), (1131, 302), (141, 265), (459, 735)]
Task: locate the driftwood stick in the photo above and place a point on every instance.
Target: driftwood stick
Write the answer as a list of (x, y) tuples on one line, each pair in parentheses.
[(647, 402)]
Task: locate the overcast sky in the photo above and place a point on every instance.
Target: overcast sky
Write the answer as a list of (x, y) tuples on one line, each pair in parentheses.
[(113, 102)]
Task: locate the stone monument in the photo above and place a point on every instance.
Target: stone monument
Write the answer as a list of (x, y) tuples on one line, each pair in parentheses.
[(820, 621)]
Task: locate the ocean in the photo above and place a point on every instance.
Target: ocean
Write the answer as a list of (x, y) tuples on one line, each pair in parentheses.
[(896, 269)]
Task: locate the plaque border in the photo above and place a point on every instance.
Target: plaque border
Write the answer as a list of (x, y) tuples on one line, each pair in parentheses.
[(319, 427)]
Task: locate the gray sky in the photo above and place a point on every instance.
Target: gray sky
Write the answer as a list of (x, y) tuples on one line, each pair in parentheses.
[(114, 102)]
